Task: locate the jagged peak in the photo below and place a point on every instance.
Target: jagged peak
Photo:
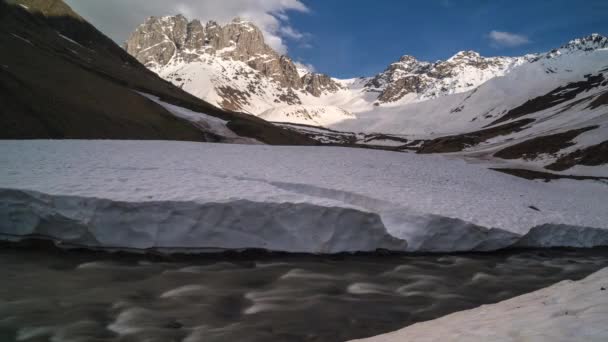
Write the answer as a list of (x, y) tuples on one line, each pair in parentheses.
[(212, 23), (241, 20), (591, 42), (170, 19), (465, 54), (408, 63), (408, 58)]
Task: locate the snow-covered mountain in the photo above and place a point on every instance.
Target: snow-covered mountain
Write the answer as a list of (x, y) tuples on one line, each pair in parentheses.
[(495, 108), (61, 78), (230, 65), (423, 80), (479, 106), (548, 113)]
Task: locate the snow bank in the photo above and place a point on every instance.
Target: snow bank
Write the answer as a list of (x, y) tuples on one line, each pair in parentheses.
[(150, 194), (231, 225), (567, 311)]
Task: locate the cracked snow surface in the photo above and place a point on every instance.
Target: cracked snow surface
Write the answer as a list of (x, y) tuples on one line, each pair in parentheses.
[(148, 194)]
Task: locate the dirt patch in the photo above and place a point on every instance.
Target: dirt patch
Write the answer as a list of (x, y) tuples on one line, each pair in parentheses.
[(552, 99), (546, 176), (457, 143), (601, 100), (267, 133), (591, 156), (233, 99), (548, 144)]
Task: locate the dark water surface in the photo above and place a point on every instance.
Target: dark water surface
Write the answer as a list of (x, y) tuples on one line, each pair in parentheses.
[(57, 296)]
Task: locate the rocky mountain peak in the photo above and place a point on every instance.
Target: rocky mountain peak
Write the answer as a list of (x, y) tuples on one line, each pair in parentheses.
[(592, 42), (408, 59), (463, 71), (589, 43), (469, 57), (409, 64), (172, 41)]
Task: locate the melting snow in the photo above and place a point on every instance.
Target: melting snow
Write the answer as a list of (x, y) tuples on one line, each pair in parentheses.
[(142, 194)]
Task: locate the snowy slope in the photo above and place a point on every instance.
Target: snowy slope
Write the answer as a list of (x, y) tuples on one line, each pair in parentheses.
[(317, 199), (476, 108), (225, 83), (567, 311), (206, 123), (231, 66), (424, 80), (307, 114)]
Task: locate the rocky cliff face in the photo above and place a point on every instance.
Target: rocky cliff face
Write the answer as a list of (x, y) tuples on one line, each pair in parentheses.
[(231, 66), (464, 71), (163, 43)]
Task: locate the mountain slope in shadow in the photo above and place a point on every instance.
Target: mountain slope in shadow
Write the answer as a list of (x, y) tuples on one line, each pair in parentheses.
[(61, 78)]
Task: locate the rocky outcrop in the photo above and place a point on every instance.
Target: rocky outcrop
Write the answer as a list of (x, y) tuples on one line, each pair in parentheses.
[(464, 71), (317, 84), (173, 39), (589, 43)]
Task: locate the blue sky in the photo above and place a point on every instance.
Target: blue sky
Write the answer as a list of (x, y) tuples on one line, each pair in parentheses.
[(349, 38)]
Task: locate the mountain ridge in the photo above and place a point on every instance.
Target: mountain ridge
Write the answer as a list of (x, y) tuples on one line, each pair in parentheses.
[(61, 78), (232, 66), (163, 42)]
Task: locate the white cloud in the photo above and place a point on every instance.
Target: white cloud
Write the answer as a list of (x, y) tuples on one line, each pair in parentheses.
[(507, 39), (290, 32), (118, 18), (305, 66)]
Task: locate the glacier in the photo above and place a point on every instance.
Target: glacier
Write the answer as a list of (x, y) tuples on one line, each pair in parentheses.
[(203, 196)]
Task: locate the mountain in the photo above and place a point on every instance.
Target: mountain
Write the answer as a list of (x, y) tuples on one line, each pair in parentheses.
[(228, 65), (61, 78), (231, 66), (541, 111), (424, 80), (547, 114)]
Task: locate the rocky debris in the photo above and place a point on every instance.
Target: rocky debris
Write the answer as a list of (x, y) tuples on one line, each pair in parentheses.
[(317, 84), (330, 137), (590, 156), (173, 39), (601, 100), (545, 176), (457, 143), (232, 98), (547, 144), (555, 97)]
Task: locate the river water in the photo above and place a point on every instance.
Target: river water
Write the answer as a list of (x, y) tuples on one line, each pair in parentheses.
[(49, 295)]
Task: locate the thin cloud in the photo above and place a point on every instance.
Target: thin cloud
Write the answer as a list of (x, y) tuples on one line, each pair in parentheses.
[(305, 66), (118, 18), (507, 39), (290, 32)]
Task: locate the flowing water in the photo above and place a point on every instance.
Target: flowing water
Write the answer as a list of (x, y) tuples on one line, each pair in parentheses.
[(48, 295)]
